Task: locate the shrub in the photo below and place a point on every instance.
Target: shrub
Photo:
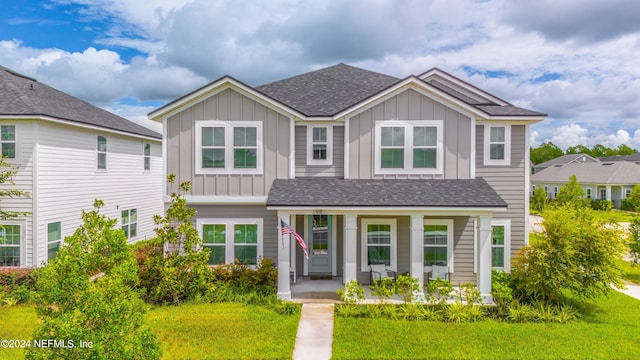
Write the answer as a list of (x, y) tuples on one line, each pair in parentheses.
[(520, 312), (352, 292), (439, 291), (601, 205), (634, 240), (243, 278), (501, 290), (412, 312), (406, 287), (383, 289), (470, 294)]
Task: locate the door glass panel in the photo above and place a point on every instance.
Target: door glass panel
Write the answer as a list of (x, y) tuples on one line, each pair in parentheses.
[(320, 235)]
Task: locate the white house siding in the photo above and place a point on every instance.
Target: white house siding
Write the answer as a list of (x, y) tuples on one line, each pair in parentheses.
[(68, 180), (334, 170), (508, 182)]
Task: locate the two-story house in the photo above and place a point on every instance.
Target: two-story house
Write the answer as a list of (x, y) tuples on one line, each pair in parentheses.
[(68, 153), (368, 168)]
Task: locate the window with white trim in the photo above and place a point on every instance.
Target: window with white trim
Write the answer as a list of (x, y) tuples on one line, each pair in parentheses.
[(409, 147), (229, 147), (102, 152), (319, 145), (438, 243), (8, 141), (54, 239), (603, 194), (497, 144), (232, 239), (129, 222), (378, 239), (555, 192), (10, 242), (589, 193), (501, 244), (627, 193), (146, 150)]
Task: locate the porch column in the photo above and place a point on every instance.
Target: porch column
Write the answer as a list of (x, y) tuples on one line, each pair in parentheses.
[(484, 258), (416, 250), (350, 248), (608, 192), (284, 254)]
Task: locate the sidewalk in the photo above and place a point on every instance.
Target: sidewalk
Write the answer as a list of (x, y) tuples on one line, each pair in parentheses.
[(632, 290), (315, 332)]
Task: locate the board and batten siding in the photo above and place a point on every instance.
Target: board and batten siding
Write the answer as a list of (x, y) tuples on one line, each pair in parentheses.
[(335, 170), (410, 105), (228, 105), (69, 181), (508, 182)]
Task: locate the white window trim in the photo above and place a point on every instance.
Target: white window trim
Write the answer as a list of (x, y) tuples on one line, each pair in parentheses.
[(408, 125), (364, 245), (555, 192), (106, 154), (507, 241), (507, 145), (329, 143), (22, 246), (129, 223), (449, 224), (14, 142), (627, 193), (228, 141), (588, 193), (56, 241), (229, 234)]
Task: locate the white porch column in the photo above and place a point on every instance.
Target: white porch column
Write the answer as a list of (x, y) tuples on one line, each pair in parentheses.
[(484, 258), (416, 250), (350, 271), (284, 254), (608, 192)]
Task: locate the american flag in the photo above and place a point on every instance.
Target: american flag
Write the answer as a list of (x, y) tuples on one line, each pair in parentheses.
[(286, 230)]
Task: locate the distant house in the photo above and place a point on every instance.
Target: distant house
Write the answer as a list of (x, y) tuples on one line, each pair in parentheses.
[(69, 153), (600, 180), (633, 157), (565, 159)]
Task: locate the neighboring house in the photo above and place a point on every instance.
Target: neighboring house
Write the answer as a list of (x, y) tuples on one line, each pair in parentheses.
[(69, 153), (368, 168), (633, 157), (565, 159), (600, 180)]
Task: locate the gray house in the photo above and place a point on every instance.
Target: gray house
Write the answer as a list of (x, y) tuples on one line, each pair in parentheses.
[(611, 181), (565, 159), (367, 168)]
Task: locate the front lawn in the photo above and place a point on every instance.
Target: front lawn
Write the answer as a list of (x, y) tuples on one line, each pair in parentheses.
[(16, 323), (631, 273), (609, 329)]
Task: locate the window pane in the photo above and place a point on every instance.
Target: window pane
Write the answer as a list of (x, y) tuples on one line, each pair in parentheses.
[(424, 158), (319, 152), (53, 231), (52, 249), (497, 233), (244, 136), (102, 143), (212, 136), (246, 234), (496, 152), (497, 134), (10, 256), (435, 234), (134, 215), (319, 134), (392, 158), (379, 234), (379, 254), (435, 256), (497, 257), (147, 149), (216, 254), (425, 136), (8, 132), (214, 234), (102, 161), (392, 136), (147, 163), (245, 159), (213, 158), (133, 230), (125, 216), (9, 150), (247, 254)]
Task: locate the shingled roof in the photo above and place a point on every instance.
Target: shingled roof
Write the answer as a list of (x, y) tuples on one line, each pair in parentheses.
[(24, 96), (612, 173), (323, 192)]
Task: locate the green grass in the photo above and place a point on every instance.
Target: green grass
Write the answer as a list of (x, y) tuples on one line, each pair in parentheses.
[(616, 216), (203, 331), (609, 329), (631, 273)]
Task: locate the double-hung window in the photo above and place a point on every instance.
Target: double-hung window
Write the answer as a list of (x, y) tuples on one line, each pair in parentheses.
[(500, 244), (54, 239), (589, 195), (378, 243), (319, 145), (438, 243), (497, 144), (10, 236), (102, 152), (214, 238), (147, 156), (230, 240), (229, 147), (130, 223), (409, 147), (627, 193), (8, 141)]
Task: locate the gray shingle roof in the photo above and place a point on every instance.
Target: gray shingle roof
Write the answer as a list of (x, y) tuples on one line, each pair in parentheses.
[(564, 159), (21, 95), (316, 192), (632, 157), (507, 110), (614, 173)]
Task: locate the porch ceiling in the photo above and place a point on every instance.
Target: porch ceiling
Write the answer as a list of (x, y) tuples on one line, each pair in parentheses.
[(323, 192)]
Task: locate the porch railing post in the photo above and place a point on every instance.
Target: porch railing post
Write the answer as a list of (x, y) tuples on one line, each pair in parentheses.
[(484, 258), (350, 247), (417, 253), (284, 254)]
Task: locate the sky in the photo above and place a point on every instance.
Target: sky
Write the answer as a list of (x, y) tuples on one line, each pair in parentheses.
[(576, 60)]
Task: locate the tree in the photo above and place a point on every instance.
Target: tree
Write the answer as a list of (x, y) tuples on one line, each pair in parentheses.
[(575, 253), (571, 194), (87, 294), (634, 240), (600, 150), (633, 200), (539, 199), (625, 150), (545, 152), (579, 149), (6, 177)]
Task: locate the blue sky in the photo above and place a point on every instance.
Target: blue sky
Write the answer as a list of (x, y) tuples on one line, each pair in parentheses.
[(576, 60)]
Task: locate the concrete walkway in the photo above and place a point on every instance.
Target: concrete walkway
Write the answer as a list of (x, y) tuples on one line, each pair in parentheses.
[(315, 332), (632, 290)]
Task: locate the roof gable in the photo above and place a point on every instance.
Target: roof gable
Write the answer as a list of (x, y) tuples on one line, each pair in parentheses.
[(565, 159), (614, 173)]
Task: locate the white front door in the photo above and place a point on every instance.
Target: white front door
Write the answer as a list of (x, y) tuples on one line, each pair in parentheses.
[(320, 247)]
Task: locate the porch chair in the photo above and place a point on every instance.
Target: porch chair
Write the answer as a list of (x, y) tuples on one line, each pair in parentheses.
[(438, 272), (379, 272)]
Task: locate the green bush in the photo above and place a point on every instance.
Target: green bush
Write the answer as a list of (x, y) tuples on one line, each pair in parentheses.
[(439, 291), (12, 278), (501, 290), (383, 289), (406, 287), (601, 205), (244, 278), (352, 292)]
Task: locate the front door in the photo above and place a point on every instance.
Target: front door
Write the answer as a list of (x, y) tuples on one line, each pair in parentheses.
[(320, 244)]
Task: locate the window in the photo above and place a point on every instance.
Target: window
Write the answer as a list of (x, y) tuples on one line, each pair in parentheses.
[(8, 141), (588, 193), (409, 147), (546, 191), (130, 223), (438, 243), (320, 243), (555, 192), (10, 245), (319, 145), (497, 145), (232, 239), (147, 156), (102, 152), (500, 244), (627, 193), (378, 243), (603, 194), (54, 239), (533, 188), (224, 147)]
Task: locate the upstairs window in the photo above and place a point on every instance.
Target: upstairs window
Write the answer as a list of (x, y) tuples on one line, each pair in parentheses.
[(8, 141), (102, 152), (409, 147), (497, 145), (147, 156), (225, 147), (319, 145)]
